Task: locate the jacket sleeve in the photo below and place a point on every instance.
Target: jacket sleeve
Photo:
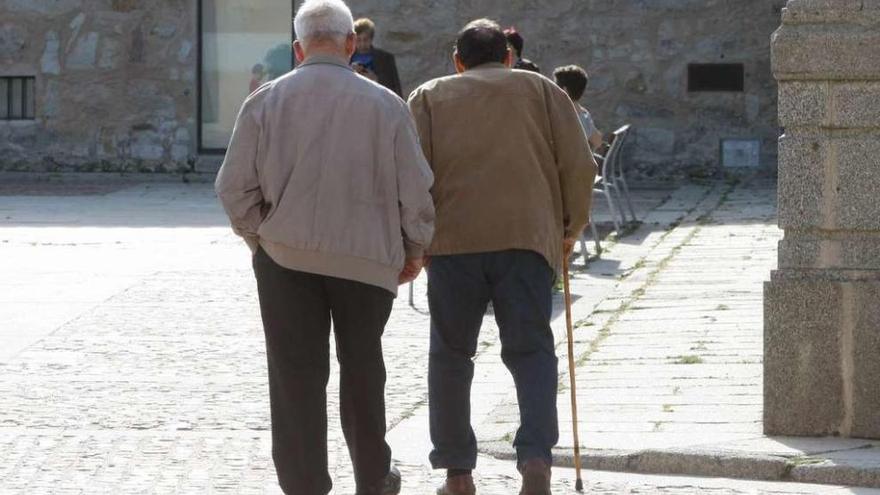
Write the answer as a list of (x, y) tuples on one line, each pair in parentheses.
[(395, 76), (414, 181), (237, 183), (418, 106), (575, 162)]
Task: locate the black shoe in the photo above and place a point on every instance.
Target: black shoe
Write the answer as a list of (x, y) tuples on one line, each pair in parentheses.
[(392, 482)]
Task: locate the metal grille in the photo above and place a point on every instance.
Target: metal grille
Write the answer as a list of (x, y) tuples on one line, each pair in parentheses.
[(17, 98)]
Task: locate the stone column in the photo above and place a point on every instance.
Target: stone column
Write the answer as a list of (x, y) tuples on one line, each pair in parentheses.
[(822, 306)]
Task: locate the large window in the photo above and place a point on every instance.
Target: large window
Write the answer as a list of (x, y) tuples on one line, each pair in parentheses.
[(244, 43)]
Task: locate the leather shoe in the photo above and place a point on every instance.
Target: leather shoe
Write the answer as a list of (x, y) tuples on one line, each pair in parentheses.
[(462, 484), (391, 485), (536, 477)]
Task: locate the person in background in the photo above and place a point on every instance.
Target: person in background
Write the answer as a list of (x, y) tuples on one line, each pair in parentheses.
[(277, 61), (371, 62), (574, 80), (327, 184), (516, 42), (512, 194), (258, 75)]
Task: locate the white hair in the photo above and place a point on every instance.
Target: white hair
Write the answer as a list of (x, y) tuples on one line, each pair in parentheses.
[(323, 20)]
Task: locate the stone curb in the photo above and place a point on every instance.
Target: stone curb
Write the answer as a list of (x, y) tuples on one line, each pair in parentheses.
[(104, 177), (718, 463)]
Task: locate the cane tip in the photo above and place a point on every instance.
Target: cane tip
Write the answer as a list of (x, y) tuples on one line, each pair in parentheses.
[(579, 485)]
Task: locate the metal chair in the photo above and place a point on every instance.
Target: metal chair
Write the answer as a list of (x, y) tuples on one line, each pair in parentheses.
[(606, 186), (595, 239), (603, 187), (617, 175)]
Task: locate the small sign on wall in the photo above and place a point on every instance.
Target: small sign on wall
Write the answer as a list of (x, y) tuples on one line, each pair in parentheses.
[(740, 153)]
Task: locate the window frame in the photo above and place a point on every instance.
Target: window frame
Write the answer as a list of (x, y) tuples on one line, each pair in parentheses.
[(202, 150), (25, 80)]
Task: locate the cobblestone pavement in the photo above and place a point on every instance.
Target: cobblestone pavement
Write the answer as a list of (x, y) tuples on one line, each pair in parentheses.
[(132, 358)]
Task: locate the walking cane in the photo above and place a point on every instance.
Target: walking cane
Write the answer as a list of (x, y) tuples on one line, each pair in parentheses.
[(579, 484)]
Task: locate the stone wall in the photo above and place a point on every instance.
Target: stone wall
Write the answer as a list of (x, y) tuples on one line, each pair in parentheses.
[(116, 79), (822, 306), (636, 51), (115, 84)]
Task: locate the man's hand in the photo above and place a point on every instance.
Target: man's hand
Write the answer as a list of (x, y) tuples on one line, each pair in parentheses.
[(410, 271), (568, 247), (364, 71)]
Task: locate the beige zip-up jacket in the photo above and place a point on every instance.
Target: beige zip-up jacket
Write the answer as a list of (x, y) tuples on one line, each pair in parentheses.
[(512, 165), (325, 172)]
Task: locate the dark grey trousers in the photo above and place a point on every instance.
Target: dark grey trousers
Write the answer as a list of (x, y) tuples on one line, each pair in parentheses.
[(520, 286), (297, 309)]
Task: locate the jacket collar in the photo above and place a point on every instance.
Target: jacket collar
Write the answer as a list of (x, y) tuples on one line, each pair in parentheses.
[(488, 65), (324, 60)]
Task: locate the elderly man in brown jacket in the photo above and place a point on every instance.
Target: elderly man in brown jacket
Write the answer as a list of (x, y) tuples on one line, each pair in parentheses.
[(325, 180), (513, 180)]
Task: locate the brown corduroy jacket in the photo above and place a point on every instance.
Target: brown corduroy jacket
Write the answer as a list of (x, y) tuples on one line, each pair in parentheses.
[(512, 167)]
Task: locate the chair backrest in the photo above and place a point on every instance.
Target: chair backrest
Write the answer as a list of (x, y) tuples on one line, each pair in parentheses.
[(608, 166), (620, 135)]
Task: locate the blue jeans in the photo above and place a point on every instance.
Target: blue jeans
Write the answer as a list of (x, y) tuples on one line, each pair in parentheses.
[(520, 286)]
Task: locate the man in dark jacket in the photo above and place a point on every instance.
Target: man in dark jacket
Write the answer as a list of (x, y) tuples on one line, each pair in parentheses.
[(371, 62), (516, 42)]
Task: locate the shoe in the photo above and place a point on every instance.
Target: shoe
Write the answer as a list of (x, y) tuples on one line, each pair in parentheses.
[(462, 484), (536, 477), (392, 482)]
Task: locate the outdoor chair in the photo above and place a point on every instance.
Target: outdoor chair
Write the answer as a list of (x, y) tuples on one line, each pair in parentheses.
[(612, 184), (617, 176), (595, 233), (605, 185)]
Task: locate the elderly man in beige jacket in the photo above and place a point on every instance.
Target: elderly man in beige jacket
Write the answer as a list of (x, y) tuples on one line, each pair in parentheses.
[(514, 177), (327, 183)]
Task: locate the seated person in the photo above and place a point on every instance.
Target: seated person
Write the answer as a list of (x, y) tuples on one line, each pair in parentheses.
[(573, 79)]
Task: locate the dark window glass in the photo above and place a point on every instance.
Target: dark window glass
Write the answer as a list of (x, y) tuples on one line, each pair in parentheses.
[(4, 99), (16, 110), (30, 99), (716, 77), (17, 98)]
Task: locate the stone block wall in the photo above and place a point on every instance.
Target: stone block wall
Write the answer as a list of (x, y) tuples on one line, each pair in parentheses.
[(115, 84), (117, 79), (637, 53), (822, 307)]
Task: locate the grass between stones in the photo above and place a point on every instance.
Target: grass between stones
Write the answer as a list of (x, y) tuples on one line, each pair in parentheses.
[(691, 359)]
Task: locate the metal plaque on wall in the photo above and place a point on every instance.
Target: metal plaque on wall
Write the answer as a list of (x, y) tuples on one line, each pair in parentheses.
[(740, 153)]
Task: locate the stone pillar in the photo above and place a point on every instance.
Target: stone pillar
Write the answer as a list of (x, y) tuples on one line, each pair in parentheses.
[(822, 306)]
